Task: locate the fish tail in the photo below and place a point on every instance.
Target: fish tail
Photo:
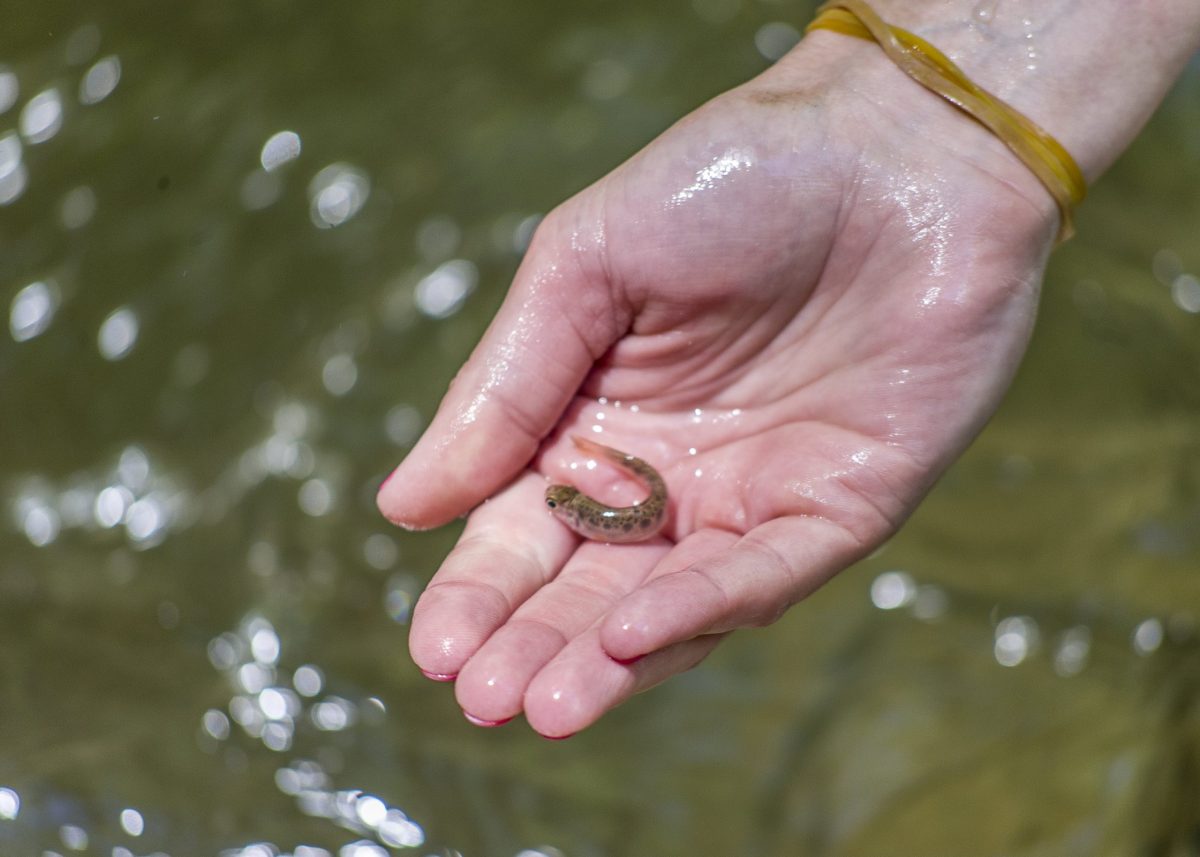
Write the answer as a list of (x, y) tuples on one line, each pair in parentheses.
[(629, 463), (590, 447)]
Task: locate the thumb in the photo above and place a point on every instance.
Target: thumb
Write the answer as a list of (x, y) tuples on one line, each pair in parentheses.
[(557, 319)]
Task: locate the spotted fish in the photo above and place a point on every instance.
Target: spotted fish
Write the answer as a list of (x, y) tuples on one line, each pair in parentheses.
[(594, 520)]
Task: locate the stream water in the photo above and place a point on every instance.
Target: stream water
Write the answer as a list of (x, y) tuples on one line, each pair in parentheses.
[(210, 365)]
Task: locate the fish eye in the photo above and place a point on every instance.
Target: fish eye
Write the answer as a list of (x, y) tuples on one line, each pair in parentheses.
[(552, 503)]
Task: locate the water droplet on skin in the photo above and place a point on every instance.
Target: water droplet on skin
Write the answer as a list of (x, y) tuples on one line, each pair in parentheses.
[(985, 11)]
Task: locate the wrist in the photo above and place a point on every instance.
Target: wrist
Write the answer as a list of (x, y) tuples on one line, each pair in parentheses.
[(888, 124), (1089, 73)]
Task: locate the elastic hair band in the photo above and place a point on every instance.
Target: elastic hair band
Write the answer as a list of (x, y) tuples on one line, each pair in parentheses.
[(1044, 155)]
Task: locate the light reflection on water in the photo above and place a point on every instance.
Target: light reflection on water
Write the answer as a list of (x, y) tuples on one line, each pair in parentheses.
[(100, 80), (221, 334), (441, 293), (336, 194), (41, 117), (1018, 638), (10, 803), (9, 89), (145, 503), (13, 175), (280, 148), (118, 334), (276, 706)]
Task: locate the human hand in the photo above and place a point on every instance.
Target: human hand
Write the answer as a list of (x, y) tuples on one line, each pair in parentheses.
[(800, 304)]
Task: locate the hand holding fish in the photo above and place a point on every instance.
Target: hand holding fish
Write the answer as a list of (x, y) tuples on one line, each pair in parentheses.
[(797, 307)]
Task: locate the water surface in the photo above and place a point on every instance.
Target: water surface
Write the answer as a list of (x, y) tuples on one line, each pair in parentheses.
[(209, 366)]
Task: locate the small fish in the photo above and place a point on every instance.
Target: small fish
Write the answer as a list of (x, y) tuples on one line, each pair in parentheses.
[(592, 519)]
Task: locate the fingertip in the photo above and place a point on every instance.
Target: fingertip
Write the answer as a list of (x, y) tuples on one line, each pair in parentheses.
[(419, 496), (558, 737), (574, 691), (672, 609), (484, 723), (441, 647), (625, 662), (390, 501), (622, 641), (555, 707), (441, 677), (630, 632), (558, 714), (439, 659)]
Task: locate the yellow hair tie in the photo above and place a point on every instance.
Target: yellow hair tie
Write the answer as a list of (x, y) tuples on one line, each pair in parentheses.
[(1044, 155)]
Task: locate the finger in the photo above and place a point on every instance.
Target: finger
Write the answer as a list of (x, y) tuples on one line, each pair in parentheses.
[(557, 320), (750, 583), (491, 686), (510, 548), (582, 683)]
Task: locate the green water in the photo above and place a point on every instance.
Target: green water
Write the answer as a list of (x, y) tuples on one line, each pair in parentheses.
[(203, 619)]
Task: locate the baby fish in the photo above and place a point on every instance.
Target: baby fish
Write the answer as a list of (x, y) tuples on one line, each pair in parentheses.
[(592, 519)]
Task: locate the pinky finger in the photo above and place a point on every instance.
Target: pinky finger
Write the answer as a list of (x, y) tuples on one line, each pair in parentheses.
[(750, 583)]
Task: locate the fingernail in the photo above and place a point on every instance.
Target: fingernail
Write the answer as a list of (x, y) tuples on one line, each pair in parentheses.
[(439, 676), (626, 661), (479, 721), (558, 737)]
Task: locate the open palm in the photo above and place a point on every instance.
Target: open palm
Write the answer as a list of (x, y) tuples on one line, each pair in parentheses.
[(799, 305)]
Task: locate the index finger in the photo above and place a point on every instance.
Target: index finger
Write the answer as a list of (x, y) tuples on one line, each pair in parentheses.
[(511, 547)]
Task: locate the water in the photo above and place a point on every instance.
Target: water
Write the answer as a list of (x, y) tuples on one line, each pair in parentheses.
[(210, 364)]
